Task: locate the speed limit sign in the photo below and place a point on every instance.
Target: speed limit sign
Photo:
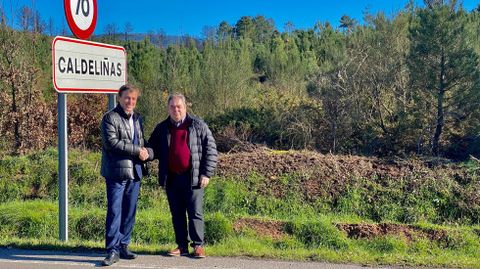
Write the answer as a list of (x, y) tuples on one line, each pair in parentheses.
[(81, 17)]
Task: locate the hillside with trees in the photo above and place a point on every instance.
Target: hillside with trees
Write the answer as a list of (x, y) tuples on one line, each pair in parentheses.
[(400, 85), (351, 144)]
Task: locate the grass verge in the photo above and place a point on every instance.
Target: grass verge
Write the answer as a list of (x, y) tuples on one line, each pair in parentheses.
[(33, 225)]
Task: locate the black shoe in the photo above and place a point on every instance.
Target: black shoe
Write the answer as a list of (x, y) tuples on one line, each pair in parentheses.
[(126, 254), (111, 258)]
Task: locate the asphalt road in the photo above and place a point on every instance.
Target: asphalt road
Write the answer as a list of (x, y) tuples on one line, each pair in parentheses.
[(41, 259)]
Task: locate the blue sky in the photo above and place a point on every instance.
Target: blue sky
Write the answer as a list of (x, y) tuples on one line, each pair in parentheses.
[(182, 17)]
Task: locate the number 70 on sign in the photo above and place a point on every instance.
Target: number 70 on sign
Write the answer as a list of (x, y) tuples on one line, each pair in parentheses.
[(85, 4)]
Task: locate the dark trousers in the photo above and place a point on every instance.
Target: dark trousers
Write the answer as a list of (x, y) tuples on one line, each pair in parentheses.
[(122, 199), (183, 200)]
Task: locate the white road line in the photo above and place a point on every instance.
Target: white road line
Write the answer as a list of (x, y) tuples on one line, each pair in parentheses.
[(117, 265), (44, 262)]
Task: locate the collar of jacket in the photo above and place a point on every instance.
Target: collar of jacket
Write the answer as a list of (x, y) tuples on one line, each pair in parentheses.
[(124, 115)]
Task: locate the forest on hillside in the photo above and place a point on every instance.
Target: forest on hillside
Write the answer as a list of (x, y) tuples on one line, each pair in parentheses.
[(399, 85)]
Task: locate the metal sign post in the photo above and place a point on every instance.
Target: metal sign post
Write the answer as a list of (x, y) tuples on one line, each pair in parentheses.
[(62, 167), (112, 102)]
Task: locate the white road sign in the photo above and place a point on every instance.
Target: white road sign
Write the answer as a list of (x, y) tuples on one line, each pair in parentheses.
[(81, 66)]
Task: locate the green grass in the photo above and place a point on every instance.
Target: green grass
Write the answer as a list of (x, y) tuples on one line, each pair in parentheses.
[(34, 225), (242, 246), (29, 214)]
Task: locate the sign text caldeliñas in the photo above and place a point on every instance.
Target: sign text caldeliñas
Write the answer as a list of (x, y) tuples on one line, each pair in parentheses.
[(87, 67)]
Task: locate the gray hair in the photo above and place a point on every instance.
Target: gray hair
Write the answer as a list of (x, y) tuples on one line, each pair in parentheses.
[(177, 95)]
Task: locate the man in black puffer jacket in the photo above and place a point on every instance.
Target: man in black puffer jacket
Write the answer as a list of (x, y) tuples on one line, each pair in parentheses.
[(123, 157), (187, 156)]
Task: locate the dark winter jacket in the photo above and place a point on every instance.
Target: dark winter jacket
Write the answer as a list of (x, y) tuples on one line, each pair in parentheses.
[(202, 146), (118, 150)]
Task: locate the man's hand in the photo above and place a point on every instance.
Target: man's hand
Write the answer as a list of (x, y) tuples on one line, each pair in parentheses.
[(204, 181), (143, 154)]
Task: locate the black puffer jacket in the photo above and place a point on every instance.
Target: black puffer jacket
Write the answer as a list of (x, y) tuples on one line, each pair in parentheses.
[(202, 147), (118, 150)]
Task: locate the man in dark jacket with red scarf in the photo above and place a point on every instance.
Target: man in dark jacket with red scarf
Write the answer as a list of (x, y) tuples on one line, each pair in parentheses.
[(187, 156)]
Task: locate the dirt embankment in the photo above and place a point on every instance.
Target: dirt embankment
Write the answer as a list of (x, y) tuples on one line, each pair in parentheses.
[(326, 176), (409, 232), (269, 228), (330, 176), (277, 230)]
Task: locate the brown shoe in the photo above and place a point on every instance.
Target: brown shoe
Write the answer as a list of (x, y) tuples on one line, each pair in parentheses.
[(178, 252), (199, 252)]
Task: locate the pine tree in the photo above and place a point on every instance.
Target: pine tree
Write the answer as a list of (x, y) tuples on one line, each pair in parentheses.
[(443, 68)]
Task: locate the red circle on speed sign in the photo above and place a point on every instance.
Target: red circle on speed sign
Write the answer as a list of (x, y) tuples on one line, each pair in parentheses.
[(81, 16)]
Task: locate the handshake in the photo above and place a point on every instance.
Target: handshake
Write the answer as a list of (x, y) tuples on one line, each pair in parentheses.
[(143, 154)]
